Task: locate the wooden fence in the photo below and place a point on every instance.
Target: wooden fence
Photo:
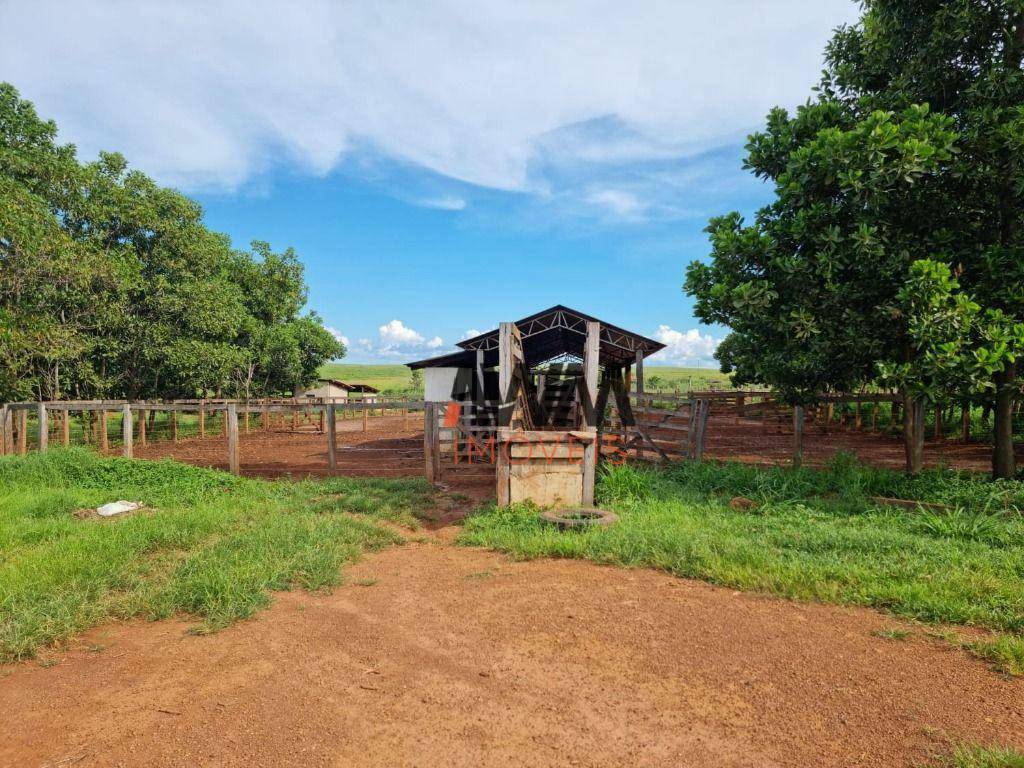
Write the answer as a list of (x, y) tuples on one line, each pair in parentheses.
[(211, 417)]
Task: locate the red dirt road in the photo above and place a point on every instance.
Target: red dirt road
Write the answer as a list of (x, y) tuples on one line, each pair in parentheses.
[(457, 657)]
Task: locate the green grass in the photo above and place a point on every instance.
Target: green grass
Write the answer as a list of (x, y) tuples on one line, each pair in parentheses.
[(667, 378), (208, 544), (395, 378), (390, 379), (984, 757), (810, 535)]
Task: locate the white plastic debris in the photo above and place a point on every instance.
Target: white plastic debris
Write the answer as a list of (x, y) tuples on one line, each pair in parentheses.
[(117, 508)]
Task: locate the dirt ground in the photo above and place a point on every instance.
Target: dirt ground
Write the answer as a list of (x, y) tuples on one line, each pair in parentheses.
[(434, 655), (751, 442), (392, 446)]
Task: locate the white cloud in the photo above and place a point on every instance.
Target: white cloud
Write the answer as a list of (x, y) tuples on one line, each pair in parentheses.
[(622, 204), (397, 334), (502, 94), (684, 347), (470, 333), (443, 203), (338, 335), (397, 340)]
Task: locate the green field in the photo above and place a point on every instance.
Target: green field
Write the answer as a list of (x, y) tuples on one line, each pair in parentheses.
[(394, 378), (390, 378)]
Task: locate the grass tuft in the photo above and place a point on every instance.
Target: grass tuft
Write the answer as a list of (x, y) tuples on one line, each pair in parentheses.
[(984, 757), (1006, 653)]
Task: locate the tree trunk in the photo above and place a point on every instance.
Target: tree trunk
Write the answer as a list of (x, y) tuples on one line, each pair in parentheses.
[(1004, 463), (913, 434)]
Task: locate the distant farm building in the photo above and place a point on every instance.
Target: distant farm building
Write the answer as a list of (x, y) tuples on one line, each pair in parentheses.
[(338, 391)]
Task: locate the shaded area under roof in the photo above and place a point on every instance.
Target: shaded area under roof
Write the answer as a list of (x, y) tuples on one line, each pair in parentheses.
[(554, 334)]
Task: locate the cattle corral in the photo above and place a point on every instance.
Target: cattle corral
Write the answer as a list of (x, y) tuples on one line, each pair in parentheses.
[(386, 438)]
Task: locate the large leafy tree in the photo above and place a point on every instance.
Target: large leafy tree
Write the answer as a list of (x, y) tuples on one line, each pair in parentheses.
[(909, 152), (111, 285)]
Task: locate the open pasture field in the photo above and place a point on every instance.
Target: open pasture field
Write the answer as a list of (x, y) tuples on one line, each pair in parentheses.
[(395, 378), (386, 378)]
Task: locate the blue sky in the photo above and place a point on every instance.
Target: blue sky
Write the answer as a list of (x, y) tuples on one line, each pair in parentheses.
[(443, 166)]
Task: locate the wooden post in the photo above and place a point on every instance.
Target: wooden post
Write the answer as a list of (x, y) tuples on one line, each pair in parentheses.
[(430, 441), (6, 423), (44, 428), (502, 471), (23, 432), (295, 416), (65, 427), (142, 428), (323, 419), (126, 430), (703, 407), (798, 435), (480, 387), (591, 356), (104, 440), (505, 406), (265, 416), (639, 395), (232, 426), (173, 418), (327, 417), (202, 419), (245, 418)]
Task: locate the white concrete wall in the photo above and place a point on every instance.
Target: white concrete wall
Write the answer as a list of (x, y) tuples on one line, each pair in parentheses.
[(324, 390), (441, 384)]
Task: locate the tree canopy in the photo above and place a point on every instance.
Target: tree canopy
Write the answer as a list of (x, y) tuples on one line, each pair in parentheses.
[(112, 286), (893, 252)]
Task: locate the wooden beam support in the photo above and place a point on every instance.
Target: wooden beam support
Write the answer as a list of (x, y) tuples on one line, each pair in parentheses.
[(504, 374), (481, 386), (639, 392), (591, 418), (104, 440), (591, 353)]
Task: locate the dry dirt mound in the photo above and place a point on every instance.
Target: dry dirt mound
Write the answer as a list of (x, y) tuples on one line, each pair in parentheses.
[(440, 656)]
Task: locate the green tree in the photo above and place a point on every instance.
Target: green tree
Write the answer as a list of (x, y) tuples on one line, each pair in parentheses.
[(111, 285), (909, 152)]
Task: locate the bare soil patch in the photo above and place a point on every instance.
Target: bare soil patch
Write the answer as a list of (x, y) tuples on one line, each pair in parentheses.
[(436, 655), (749, 441)]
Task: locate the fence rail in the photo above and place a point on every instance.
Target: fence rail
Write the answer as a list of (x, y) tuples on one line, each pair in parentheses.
[(210, 417)]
